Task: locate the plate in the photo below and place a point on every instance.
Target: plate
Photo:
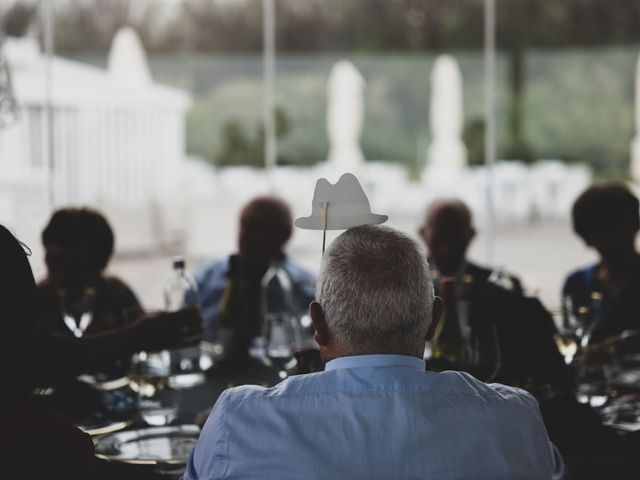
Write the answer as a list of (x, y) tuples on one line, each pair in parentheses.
[(629, 378), (104, 382), (102, 426), (149, 446), (623, 413)]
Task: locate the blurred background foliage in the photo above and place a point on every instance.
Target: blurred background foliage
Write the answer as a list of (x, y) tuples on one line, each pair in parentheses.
[(565, 71)]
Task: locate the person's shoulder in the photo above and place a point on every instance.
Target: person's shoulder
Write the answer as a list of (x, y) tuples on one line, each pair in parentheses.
[(477, 272), (297, 272), (513, 393), (212, 269), (462, 382), (504, 281), (120, 290), (113, 281), (515, 401), (579, 277), (304, 384)]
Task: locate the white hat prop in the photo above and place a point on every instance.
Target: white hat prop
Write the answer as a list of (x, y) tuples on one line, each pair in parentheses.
[(338, 207)]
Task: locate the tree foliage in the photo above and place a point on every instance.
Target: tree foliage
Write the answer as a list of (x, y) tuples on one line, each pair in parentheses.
[(331, 25), (17, 19)]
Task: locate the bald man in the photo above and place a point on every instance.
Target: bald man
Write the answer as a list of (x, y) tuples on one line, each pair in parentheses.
[(229, 290), (447, 233), (490, 329)]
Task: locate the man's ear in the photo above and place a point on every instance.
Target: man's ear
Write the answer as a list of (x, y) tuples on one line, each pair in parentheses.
[(437, 312), (320, 324)]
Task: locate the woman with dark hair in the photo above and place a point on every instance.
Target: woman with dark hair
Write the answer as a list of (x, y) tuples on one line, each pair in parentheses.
[(78, 245), (35, 443), (607, 218)]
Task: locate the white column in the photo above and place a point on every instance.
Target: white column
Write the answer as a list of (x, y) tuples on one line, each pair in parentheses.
[(269, 33), (489, 114), (635, 143)]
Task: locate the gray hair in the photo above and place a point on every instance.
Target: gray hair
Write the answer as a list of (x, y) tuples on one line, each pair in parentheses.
[(375, 289)]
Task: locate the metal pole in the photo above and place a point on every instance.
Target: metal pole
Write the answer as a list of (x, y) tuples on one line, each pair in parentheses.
[(46, 7), (269, 121), (490, 115)]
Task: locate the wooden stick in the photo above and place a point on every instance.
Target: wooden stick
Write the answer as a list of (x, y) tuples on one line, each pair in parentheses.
[(324, 226)]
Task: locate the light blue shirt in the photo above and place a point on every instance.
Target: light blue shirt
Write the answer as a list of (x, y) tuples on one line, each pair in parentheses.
[(376, 417), (212, 279)]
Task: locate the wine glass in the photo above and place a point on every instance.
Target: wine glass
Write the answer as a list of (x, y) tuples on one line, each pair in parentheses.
[(578, 319), (457, 345), (157, 400), (280, 340), (567, 344), (77, 310), (281, 328)]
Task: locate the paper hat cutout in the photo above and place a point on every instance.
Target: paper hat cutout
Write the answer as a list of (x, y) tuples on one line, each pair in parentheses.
[(341, 206)]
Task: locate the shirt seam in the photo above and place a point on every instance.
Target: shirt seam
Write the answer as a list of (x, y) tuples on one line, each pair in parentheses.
[(237, 401), (224, 437)]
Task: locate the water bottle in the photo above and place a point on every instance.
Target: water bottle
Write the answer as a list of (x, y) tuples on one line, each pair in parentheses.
[(281, 323), (181, 292)]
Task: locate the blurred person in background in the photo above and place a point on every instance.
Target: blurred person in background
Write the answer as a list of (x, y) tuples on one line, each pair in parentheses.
[(35, 443), (489, 328), (78, 246), (606, 295), (525, 330), (79, 243), (375, 412), (447, 232), (229, 290)]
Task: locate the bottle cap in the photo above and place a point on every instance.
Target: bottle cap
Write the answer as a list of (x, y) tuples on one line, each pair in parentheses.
[(178, 262)]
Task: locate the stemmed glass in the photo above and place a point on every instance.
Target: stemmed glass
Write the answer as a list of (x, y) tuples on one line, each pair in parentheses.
[(474, 350), (77, 310), (280, 337), (567, 338), (281, 328), (149, 376), (157, 401), (580, 320), (579, 323)]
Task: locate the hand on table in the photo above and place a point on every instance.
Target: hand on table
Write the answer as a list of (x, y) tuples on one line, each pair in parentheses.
[(167, 330)]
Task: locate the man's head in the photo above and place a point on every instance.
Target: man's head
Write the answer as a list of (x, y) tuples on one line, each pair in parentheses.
[(607, 218), (265, 228), (78, 243), (374, 295), (447, 233)]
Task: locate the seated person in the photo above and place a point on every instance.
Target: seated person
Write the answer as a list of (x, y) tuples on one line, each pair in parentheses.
[(36, 443), (375, 412), (78, 245), (229, 290), (490, 329), (606, 295), (447, 233)]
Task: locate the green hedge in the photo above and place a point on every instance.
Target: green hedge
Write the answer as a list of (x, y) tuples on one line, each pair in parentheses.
[(578, 103)]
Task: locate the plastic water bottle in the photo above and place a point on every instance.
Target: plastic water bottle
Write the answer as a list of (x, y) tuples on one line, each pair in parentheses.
[(281, 324), (181, 292)]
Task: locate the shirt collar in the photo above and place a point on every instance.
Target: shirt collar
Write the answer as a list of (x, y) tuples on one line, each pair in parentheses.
[(362, 361)]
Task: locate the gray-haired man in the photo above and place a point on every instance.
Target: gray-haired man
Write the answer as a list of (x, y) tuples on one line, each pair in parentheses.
[(375, 412)]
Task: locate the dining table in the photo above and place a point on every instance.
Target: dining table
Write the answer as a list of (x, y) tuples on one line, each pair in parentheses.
[(126, 446)]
